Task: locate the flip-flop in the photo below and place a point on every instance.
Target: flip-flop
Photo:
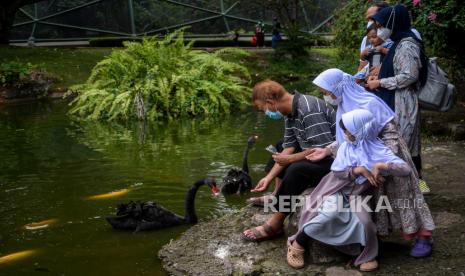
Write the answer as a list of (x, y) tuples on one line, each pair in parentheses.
[(369, 266), (258, 201), (424, 188), (258, 236)]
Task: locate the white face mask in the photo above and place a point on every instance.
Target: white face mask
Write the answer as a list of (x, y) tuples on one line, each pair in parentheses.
[(330, 100), (383, 33), (370, 22)]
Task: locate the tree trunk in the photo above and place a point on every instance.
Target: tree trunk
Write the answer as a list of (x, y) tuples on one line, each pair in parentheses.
[(6, 22)]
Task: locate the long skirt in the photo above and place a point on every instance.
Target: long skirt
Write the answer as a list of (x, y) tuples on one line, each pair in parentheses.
[(311, 215), (410, 212), (333, 227)]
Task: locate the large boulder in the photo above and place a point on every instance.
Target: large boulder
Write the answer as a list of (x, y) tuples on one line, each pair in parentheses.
[(217, 248)]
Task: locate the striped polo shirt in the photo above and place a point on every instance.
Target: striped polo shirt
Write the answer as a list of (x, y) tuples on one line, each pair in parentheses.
[(312, 123)]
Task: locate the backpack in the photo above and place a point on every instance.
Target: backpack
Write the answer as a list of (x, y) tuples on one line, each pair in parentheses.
[(437, 93)]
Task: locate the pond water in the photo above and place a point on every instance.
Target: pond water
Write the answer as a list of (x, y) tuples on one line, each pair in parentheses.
[(49, 164)]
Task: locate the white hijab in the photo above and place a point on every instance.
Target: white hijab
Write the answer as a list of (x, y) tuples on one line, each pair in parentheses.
[(352, 96), (368, 149)]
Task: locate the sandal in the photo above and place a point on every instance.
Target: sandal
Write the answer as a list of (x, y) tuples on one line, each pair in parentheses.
[(369, 266), (258, 235), (424, 188), (259, 201), (295, 256)]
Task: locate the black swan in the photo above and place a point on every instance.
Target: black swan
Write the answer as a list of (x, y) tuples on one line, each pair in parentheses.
[(238, 180), (139, 216)]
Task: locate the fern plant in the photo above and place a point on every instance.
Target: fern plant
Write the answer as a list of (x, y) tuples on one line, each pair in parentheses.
[(165, 78)]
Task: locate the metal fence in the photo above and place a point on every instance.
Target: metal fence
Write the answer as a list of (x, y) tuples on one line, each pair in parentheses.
[(84, 19)]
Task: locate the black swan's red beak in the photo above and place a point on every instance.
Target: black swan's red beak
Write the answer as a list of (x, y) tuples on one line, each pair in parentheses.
[(215, 190)]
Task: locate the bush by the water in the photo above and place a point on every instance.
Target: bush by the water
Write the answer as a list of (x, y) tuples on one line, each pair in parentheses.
[(12, 72), (21, 80), (166, 78)]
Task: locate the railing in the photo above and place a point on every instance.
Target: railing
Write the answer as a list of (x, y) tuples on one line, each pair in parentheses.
[(223, 13)]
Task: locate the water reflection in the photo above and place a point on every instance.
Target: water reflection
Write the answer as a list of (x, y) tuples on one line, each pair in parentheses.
[(50, 164)]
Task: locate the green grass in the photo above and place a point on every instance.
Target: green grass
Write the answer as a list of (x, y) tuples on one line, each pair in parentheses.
[(328, 52), (296, 74), (71, 66)]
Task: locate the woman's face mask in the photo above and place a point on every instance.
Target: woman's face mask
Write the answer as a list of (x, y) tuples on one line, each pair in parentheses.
[(330, 100), (383, 33)]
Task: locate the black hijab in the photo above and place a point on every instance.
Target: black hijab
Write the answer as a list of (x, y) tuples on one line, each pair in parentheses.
[(401, 27)]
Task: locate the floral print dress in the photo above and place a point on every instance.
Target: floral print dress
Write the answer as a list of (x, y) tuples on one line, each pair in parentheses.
[(407, 65)]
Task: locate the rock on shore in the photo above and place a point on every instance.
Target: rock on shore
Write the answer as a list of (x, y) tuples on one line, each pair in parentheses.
[(216, 247)]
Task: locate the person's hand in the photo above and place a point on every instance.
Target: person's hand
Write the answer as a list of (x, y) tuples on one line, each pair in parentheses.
[(317, 154), (282, 158), (364, 53), (377, 168), (262, 185), (367, 174), (362, 64), (374, 71), (373, 82)]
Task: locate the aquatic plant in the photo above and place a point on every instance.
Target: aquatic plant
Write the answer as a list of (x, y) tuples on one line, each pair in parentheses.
[(164, 78)]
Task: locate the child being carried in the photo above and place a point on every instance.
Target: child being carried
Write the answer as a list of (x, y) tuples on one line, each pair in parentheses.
[(373, 54)]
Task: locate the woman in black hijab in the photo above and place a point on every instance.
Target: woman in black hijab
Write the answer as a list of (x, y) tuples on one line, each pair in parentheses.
[(402, 73)]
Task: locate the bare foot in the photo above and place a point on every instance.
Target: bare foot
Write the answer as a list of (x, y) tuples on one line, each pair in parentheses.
[(261, 233)]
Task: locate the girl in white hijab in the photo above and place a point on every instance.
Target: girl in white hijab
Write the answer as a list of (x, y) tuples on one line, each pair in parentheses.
[(362, 147), (340, 89), (350, 175), (416, 222)]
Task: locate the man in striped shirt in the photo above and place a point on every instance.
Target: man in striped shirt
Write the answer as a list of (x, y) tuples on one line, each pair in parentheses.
[(309, 123)]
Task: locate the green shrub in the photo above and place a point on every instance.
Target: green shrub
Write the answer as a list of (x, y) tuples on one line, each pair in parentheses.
[(165, 78), (349, 29), (441, 24), (442, 27), (21, 80), (295, 48), (11, 73)]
